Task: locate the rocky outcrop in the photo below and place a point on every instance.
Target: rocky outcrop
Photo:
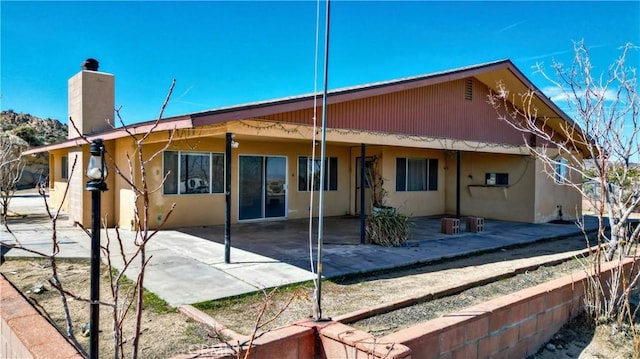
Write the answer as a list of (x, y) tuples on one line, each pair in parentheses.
[(36, 132)]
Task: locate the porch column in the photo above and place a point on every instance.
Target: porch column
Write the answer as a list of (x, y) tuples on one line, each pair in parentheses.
[(227, 192), (363, 156), (458, 157)]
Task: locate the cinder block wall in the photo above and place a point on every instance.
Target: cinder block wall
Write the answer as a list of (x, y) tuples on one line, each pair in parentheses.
[(512, 326), (24, 333)]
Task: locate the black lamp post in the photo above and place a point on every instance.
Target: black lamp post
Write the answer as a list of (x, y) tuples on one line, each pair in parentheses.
[(96, 172)]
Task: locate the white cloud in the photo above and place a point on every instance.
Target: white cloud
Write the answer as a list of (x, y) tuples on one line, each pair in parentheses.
[(556, 94), (511, 26)]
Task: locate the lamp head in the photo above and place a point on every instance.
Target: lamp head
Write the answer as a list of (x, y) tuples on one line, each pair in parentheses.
[(96, 169)]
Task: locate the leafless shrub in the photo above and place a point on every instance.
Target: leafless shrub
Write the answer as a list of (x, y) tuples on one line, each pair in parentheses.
[(11, 168), (605, 130)]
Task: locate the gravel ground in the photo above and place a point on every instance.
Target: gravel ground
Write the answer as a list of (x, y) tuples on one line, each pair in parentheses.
[(387, 323), (343, 296)]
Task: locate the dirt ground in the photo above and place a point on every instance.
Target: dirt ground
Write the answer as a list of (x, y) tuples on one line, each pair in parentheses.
[(167, 332), (580, 339)]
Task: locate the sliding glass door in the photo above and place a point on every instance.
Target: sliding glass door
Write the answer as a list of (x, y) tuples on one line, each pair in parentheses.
[(262, 188)]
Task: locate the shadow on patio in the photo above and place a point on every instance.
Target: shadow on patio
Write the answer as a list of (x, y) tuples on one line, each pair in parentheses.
[(288, 242)]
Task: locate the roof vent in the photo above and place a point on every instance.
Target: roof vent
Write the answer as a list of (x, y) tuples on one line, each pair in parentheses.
[(90, 65), (468, 90)]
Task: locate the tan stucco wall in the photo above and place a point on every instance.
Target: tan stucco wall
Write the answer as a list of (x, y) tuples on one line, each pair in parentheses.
[(209, 209), (76, 196), (413, 203), (78, 201), (514, 202), (549, 196), (124, 199), (530, 197), (57, 184)]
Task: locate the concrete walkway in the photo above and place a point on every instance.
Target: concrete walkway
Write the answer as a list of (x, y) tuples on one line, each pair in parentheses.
[(187, 264)]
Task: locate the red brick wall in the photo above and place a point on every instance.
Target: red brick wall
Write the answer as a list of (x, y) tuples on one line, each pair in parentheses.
[(25, 333)]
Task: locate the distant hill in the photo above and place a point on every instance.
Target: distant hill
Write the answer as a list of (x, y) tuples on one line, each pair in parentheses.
[(36, 132)]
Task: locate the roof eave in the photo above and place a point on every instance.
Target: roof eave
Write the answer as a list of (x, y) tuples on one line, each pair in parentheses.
[(174, 123)]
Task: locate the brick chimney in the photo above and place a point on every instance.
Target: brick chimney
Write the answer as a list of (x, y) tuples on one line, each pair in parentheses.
[(91, 100)]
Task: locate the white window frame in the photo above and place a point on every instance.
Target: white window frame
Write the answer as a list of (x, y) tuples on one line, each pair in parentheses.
[(561, 171), (209, 179)]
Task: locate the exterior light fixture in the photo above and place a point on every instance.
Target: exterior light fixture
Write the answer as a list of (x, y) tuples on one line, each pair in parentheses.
[(97, 173), (96, 170)]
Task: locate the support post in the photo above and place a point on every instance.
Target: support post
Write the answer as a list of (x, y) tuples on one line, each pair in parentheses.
[(458, 183), (227, 193), (363, 168), (94, 309)]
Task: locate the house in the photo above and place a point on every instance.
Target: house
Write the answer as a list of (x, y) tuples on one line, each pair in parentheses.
[(434, 139)]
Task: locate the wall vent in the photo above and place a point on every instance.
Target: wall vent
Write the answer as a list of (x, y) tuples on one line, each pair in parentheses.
[(468, 90)]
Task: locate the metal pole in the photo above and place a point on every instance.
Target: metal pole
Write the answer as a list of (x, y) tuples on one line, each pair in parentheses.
[(94, 309), (227, 192), (363, 168), (458, 157), (322, 163)]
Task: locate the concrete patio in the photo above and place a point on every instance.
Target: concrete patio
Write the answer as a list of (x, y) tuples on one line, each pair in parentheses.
[(187, 264)]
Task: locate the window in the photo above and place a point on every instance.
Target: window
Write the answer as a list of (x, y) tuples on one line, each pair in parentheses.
[(64, 167), (309, 169), (192, 173), (560, 171), (416, 174), (496, 179)]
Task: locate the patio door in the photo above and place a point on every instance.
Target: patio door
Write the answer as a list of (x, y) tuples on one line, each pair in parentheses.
[(262, 187)]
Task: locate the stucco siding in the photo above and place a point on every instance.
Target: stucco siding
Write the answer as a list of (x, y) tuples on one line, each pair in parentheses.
[(414, 203), (209, 209), (553, 198), (58, 184), (513, 202), (76, 197), (124, 201)]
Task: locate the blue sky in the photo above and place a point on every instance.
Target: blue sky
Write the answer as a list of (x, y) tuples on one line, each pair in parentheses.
[(229, 53)]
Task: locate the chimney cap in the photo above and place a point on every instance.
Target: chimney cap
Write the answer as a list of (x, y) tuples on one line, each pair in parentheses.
[(90, 64)]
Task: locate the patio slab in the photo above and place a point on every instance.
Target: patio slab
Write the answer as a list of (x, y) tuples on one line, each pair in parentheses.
[(187, 264)]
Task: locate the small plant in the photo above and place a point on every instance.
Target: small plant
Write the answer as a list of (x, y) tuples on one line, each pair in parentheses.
[(385, 225)]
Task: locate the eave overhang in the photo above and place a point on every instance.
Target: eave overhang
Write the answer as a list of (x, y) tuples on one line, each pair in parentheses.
[(172, 123)]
